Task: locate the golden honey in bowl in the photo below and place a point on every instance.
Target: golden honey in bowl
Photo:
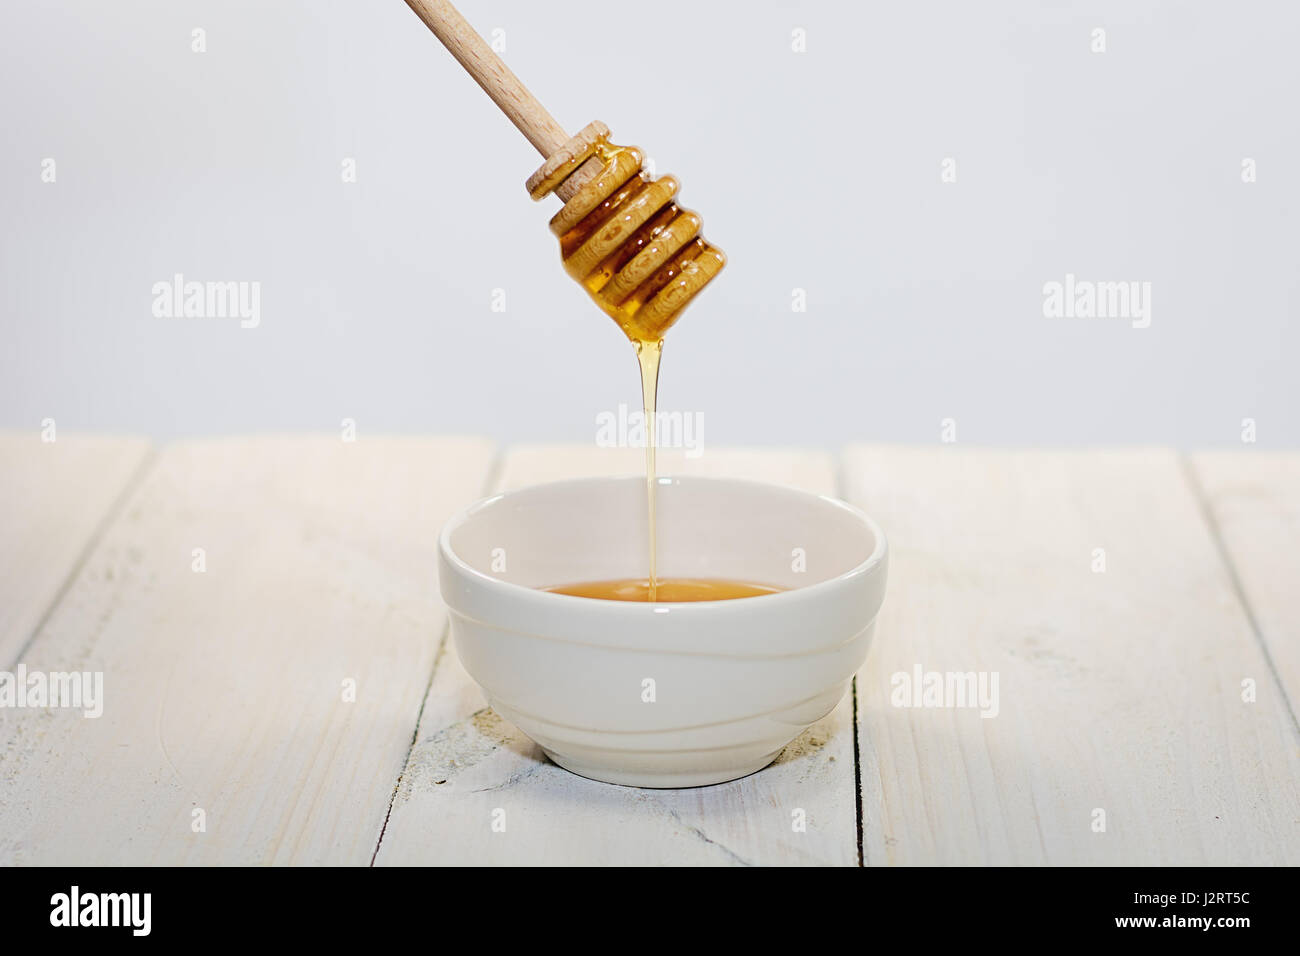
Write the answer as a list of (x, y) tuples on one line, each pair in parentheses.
[(666, 589)]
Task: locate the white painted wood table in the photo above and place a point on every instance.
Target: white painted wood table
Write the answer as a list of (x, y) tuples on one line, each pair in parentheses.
[(1141, 611)]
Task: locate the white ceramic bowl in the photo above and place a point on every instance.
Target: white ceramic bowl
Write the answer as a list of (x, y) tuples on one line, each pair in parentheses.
[(733, 681)]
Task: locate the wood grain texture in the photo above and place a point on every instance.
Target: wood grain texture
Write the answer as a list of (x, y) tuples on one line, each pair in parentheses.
[(468, 762), (1119, 691), (224, 690), (54, 496), (480, 61), (1254, 502)]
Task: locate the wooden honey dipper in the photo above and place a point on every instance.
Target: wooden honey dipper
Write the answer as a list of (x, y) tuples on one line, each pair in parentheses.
[(637, 253)]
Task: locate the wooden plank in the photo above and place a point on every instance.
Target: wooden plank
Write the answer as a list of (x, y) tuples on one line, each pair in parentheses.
[(1119, 690), (225, 690), (54, 496), (467, 761), (1254, 502)]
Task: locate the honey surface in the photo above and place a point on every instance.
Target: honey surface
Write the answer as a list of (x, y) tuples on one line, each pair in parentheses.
[(668, 589)]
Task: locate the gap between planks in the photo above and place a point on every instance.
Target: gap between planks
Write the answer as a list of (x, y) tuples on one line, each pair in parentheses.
[(114, 511), (489, 482), (1120, 691), (1235, 577), (316, 559), (842, 490), (56, 499)]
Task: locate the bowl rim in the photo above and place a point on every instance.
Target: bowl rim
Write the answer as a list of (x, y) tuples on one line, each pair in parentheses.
[(783, 599)]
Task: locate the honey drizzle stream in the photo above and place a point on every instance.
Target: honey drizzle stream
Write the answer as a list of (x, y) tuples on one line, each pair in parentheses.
[(648, 355), (639, 255)]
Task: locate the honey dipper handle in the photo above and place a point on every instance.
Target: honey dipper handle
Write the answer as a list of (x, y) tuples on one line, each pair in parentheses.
[(482, 63)]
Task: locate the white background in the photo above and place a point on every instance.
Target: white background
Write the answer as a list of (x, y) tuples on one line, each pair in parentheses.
[(818, 171)]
